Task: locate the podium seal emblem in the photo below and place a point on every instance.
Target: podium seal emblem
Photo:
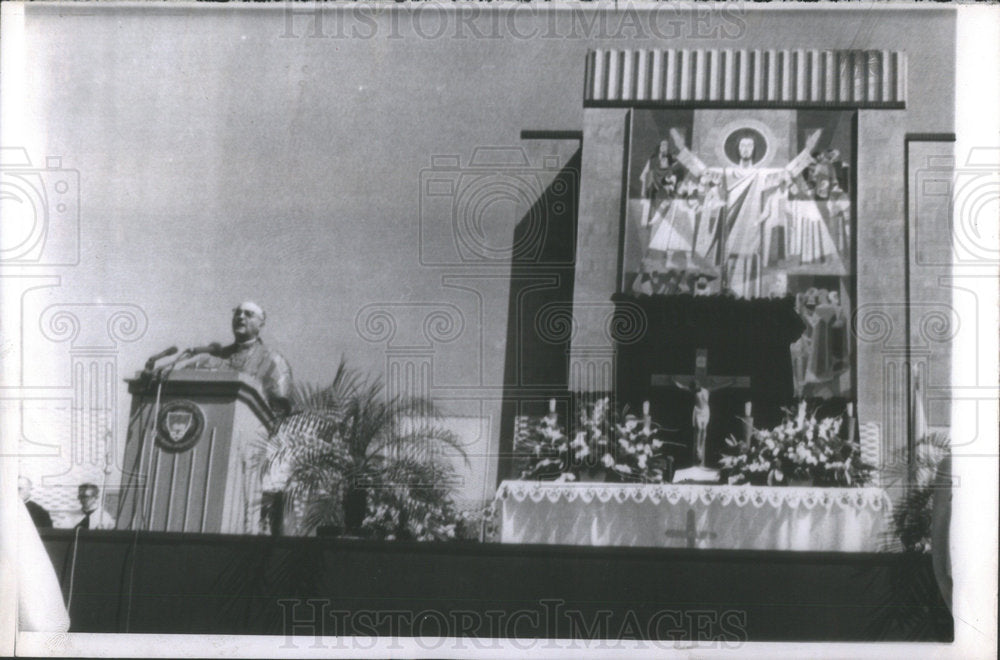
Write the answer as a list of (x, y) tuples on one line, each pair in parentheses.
[(179, 426)]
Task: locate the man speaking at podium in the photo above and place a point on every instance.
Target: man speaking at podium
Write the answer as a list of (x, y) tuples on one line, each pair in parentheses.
[(249, 355)]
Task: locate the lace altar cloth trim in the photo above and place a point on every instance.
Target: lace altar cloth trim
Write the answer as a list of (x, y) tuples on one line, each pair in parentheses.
[(875, 499)]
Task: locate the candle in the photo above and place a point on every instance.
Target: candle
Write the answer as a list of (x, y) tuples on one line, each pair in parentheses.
[(850, 409), (552, 405), (645, 408), (748, 409)]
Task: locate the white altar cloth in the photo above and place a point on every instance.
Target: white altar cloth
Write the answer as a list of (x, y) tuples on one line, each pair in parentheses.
[(696, 516)]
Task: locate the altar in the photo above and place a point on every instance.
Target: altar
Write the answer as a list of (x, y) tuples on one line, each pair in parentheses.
[(694, 516)]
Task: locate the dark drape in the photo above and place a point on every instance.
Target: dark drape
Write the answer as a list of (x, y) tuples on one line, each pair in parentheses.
[(743, 338), (155, 582)]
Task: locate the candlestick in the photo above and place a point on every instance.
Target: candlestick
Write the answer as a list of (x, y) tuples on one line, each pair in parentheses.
[(645, 408), (552, 405)]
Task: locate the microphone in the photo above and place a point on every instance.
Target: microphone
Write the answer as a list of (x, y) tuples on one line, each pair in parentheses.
[(198, 350), (162, 354)]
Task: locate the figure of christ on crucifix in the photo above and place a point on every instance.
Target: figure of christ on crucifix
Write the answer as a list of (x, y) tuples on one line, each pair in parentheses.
[(701, 385)]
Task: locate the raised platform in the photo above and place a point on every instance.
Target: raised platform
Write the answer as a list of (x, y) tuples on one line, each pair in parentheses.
[(155, 582)]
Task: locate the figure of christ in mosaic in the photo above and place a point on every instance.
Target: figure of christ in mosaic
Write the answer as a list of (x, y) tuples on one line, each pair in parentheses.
[(738, 221)]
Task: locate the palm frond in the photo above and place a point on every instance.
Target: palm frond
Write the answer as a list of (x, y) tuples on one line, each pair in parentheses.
[(300, 438), (422, 442), (353, 434), (322, 511), (329, 401)]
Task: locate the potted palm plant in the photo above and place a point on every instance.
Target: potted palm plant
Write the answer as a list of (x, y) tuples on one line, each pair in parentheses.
[(359, 460), (917, 605)]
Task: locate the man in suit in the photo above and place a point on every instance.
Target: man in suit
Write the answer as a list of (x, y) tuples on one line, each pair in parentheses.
[(39, 515), (249, 354), (91, 515)]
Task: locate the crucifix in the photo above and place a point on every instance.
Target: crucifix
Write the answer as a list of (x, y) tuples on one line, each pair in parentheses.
[(690, 532), (701, 386)]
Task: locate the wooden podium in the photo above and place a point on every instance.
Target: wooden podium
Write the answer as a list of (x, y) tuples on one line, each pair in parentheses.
[(188, 456)]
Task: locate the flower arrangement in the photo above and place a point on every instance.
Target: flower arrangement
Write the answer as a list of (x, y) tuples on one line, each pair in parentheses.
[(639, 454), (547, 448), (599, 447), (414, 503), (802, 449)]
